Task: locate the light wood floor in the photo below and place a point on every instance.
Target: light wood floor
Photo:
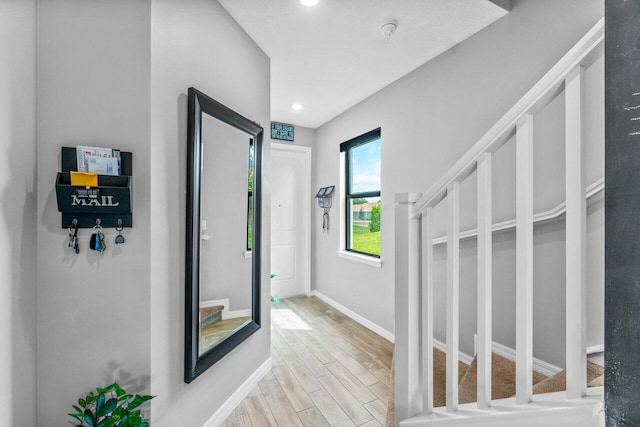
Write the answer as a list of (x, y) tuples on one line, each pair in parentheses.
[(327, 371), (214, 334)]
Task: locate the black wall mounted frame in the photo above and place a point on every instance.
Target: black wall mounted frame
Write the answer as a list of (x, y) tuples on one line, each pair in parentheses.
[(198, 104)]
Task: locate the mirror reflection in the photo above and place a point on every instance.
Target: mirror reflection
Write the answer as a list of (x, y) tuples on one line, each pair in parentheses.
[(222, 241), (226, 207)]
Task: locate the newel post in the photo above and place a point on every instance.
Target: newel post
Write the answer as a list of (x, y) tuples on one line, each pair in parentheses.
[(408, 399)]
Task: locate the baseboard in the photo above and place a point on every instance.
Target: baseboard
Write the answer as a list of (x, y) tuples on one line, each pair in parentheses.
[(540, 366), (226, 314), (595, 349), (227, 407), (355, 316), (236, 314), (463, 357)]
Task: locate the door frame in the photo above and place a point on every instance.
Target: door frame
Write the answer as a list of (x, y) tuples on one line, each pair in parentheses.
[(306, 216)]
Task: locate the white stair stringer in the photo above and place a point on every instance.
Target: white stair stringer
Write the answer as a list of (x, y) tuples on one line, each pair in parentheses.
[(548, 410)]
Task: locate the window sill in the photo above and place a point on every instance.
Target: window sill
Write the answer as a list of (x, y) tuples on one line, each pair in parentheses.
[(364, 259)]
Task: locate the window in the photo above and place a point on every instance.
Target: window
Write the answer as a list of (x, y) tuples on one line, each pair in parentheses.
[(250, 199), (362, 193)]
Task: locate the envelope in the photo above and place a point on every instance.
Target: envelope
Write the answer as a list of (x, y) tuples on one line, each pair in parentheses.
[(84, 179)]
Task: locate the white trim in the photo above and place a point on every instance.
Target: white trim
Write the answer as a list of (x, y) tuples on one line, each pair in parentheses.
[(463, 357), (227, 407), (226, 314), (595, 349), (342, 211), (211, 303), (539, 366), (355, 316), (551, 214), (548, 409), (238, 313), (306, 226), (247, 254), (364, 259)]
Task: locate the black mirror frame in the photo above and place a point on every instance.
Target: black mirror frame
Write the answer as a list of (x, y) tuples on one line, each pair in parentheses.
[(199, 103)]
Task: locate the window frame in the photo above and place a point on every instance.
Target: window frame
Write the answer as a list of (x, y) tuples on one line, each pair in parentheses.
[(250, 202), (346, 148)]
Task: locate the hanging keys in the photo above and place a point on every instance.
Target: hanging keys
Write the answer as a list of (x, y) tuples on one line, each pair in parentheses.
[(73, 237), (119, 237), (97, 238)]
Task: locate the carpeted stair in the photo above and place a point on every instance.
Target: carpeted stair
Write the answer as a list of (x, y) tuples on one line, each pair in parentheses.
[(503, 380), (503, 383), (558, 382), (210, 315)]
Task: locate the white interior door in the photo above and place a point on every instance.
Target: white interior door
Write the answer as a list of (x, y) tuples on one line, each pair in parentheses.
[(290, 218)]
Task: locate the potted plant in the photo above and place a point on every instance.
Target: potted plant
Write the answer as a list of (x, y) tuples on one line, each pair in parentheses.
[(110, 407)]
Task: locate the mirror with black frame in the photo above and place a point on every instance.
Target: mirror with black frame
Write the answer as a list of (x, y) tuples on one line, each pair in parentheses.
[(222, 294)]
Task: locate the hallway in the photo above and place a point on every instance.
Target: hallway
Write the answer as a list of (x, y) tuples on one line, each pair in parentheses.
[(327, 370)]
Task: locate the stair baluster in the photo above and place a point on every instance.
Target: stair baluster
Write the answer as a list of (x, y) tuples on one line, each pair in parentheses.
[(427, 311), (576, 235), (453, 293), (524, 259), (485, 259)]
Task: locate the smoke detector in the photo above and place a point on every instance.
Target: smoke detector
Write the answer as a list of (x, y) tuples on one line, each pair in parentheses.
[(389, 28)]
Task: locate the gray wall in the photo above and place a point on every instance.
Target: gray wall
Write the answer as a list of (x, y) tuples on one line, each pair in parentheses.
[(17, 212), (93, 309), (429, 119), (196, 43), (116, 74), (549, 238)]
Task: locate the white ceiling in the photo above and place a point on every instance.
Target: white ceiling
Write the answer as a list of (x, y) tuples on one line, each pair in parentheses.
[(331, 56)]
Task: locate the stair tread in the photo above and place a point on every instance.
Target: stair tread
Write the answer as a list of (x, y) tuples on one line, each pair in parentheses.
[(558, 382), (503, 379), (206, 311), (440, 377), (597, 382)]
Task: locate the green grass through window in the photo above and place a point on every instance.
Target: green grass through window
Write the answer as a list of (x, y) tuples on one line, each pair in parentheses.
[(365, 241)]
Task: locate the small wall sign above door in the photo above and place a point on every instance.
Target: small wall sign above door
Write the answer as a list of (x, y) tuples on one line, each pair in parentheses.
[(282, 131)]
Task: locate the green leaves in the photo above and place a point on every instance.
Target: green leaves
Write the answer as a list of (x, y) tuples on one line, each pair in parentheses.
[(89, 417), (110, 407)]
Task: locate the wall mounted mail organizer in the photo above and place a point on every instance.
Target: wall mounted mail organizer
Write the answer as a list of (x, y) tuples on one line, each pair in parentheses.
[(107, 204)]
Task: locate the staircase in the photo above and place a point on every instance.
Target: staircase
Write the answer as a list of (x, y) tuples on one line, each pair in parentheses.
[(492, 392), (210, 315), (502, 383)]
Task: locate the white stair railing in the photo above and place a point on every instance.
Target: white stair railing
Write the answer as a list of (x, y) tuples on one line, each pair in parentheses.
[(414, 236)]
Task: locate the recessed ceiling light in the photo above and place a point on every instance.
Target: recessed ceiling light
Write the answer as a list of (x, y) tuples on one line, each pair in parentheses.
[(309, 2), (296, 106)]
